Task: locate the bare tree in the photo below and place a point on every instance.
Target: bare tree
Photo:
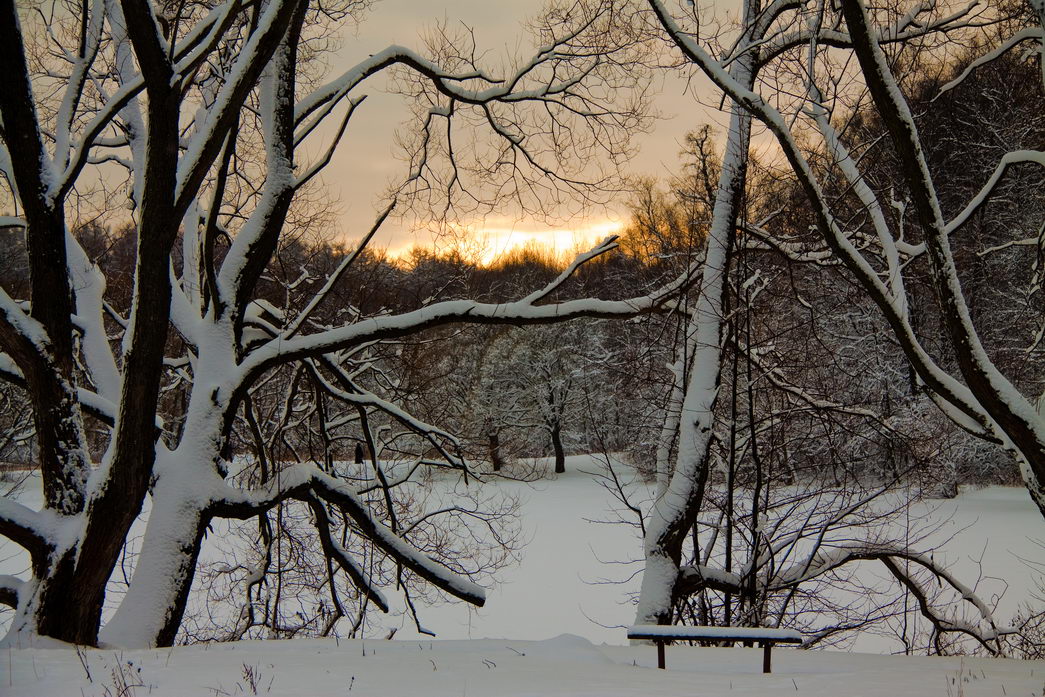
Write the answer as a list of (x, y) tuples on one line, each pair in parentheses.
[(885, 239), (204, 108), (774, 48)]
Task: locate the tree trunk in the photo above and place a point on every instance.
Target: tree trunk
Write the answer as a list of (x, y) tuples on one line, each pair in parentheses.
[(151, 612), (495, 451), (187, 479), (560, 455), (55, 593), (678, 503)]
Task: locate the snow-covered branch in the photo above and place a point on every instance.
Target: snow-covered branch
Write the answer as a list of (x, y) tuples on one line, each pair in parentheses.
[(33, 530), (283, 349), (10, 588), (295, 481), (693, 578)]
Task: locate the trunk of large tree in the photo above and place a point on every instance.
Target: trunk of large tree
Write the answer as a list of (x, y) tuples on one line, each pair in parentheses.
[(186, 478), (152, 611), (680, 497), (70, 601), (55, 595)]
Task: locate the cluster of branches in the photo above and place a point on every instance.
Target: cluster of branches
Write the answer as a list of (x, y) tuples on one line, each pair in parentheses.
[(206, 109), (870, 214), (224, 386)]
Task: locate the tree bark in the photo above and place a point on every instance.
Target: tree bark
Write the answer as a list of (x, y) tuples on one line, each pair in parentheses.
[(495, 451), (560, 454), (151, 612)]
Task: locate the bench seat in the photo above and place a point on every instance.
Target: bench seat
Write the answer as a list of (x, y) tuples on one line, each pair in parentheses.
[(765, 636)]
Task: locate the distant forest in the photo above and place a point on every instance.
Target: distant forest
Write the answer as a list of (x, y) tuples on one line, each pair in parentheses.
[(812, 378)]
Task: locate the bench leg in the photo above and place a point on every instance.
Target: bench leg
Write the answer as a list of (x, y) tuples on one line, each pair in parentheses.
[(767, 646), (660, 655)]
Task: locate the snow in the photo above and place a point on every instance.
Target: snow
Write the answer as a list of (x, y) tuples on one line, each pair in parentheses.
[(160, 565), (564, 665), (89, 289), (41, 523), (578, 574), (26, 327), (644, 631), (573, 578)]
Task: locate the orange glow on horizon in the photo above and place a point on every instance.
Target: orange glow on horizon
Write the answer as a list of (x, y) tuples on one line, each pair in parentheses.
[(486, 241)]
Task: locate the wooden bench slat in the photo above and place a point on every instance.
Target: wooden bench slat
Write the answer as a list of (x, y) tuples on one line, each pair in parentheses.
[(765, 636), (697, 633)]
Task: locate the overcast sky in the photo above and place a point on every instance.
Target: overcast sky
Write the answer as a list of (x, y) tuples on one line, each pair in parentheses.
[(366, 161)]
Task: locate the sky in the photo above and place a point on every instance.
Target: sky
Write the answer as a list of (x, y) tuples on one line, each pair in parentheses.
[(366, 160)]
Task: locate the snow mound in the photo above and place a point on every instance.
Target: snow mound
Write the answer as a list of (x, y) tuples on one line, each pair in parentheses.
[(568, 648)]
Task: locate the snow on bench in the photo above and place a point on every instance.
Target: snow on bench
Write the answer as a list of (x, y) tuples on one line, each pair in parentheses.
[(765, 636)]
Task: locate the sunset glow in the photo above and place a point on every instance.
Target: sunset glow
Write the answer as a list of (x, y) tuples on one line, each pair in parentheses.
[(486, 241)]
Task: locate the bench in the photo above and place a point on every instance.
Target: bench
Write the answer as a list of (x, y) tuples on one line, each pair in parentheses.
[(662, 634)]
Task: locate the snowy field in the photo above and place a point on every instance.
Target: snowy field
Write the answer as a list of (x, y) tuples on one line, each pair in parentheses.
[(578, 572), (573, 583), (566, 665)]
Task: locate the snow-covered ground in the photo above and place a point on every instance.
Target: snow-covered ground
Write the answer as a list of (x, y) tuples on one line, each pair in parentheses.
[(565, 665), (570, 581), (577, 572)]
